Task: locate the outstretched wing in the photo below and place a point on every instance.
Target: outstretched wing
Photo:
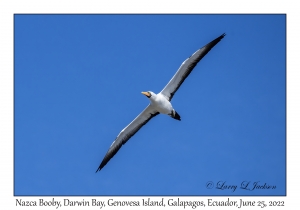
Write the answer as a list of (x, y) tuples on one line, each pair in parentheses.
[(128, 132), (186, 68)]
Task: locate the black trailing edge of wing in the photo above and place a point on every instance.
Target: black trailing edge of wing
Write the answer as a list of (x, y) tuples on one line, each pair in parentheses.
[(206, 49), (115, 148)]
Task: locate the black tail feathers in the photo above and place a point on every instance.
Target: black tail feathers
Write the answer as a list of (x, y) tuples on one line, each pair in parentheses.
[(175, 115)]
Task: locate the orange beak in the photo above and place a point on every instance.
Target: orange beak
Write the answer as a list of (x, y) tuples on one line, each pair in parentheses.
[(146, 94)]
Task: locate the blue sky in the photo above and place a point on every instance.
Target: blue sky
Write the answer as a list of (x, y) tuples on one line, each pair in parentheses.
[(77, 84)]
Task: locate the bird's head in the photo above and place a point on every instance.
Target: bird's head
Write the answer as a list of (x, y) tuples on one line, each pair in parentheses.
[(149, 94)]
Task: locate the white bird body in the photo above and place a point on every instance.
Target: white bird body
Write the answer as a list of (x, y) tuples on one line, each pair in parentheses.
[(159, 103)]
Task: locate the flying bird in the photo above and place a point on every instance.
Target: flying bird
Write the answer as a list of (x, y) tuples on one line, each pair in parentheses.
[(159, 103)]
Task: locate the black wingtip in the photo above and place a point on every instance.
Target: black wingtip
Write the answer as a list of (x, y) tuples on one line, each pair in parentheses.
[(221, 37), (210, 45), (99, 168)]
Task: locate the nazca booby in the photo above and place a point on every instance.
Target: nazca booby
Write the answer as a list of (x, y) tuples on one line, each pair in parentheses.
[(159, 103)]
